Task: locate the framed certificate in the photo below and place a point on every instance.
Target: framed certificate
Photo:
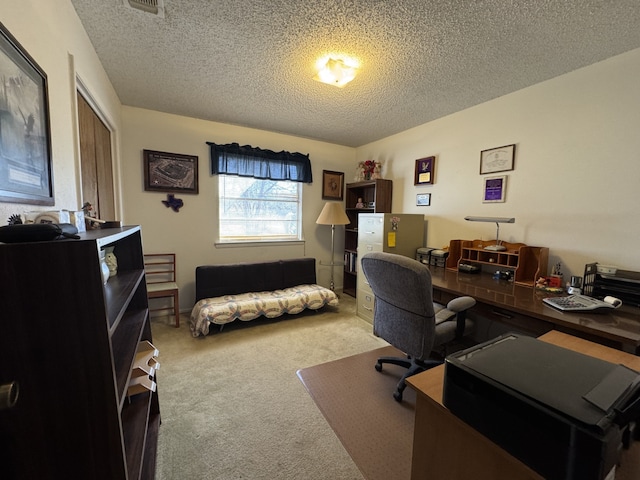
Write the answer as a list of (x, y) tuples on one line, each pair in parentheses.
[(499, 159), (425, 168), (494, 189), (423, 199)]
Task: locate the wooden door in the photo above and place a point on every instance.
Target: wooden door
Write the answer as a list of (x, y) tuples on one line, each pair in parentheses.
[(96, 167)]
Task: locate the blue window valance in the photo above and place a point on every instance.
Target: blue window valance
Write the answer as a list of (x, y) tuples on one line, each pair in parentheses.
[(248, 161)]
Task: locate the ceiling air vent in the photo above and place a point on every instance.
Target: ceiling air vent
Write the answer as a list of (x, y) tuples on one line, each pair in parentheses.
[(155, 7)]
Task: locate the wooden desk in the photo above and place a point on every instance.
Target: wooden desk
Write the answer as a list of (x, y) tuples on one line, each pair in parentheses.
[(446, 448), (522, 308)]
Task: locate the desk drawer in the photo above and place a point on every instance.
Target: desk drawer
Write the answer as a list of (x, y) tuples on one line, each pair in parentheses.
[(365, 306), (494, 321)]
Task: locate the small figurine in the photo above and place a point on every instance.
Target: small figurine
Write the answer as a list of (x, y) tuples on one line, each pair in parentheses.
[(112, 261), (360, 204)]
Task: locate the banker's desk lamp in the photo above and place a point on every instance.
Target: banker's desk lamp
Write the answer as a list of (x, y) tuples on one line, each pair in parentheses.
[(333, 214), (498, 247)]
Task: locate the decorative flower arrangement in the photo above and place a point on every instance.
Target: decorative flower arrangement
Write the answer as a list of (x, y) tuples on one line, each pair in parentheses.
[(369, 170)]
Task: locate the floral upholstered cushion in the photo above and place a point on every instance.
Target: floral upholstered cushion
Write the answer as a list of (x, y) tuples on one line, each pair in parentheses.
[(247, 306)]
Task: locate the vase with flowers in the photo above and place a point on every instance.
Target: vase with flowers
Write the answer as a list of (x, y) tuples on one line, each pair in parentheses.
[(368, 170)]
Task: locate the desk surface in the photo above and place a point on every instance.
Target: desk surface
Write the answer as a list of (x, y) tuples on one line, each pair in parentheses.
[(431, 450), (622, 326)]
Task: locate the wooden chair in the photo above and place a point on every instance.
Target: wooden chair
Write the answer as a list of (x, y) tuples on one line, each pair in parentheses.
[(160, 272)]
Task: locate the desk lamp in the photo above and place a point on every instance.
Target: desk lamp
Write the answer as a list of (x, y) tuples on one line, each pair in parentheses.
[(498, 247), (333, 214)]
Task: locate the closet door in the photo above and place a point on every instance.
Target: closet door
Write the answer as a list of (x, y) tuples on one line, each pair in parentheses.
[(95, 159)]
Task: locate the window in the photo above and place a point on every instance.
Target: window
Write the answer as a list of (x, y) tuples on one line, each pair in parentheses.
[(260, 192), (253, 209)]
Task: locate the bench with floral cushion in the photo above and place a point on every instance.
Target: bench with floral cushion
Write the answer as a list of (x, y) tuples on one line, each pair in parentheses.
[(247, 291)]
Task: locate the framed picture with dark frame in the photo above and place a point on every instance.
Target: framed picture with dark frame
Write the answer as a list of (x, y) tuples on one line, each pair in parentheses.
[(332, 185), (26, 171), (425, 168), (499, 159), (170, 172), (495, 189), (423, 199)]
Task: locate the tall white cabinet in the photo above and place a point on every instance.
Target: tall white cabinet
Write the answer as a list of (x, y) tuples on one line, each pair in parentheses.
[(400, 233)]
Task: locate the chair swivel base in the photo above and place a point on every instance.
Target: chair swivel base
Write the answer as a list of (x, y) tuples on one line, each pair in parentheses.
[(413, 367)]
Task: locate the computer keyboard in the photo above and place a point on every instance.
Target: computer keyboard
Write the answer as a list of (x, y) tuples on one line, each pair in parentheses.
[(582, 303)]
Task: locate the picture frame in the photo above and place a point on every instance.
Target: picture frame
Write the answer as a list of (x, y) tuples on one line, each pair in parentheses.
[(332, 185), (423, 199), (26, 169), (495, 189), (425, 169), (499, 159), (170, 172)]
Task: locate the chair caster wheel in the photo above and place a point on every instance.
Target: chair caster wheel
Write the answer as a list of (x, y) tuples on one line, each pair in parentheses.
[(379, 367), (397, 396)]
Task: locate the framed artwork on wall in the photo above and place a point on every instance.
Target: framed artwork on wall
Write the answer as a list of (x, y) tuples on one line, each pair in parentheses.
[(332, 185), (423, 199), (170, 172), (26, 172), (499, 159), (494, 189), (425, 169)]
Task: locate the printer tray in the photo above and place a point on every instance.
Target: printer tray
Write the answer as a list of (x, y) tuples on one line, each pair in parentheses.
[(544, 404)]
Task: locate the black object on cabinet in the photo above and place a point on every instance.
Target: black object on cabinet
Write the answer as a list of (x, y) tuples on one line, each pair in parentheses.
[(68, 344)]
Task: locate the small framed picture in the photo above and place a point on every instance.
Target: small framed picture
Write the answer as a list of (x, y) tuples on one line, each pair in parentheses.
[(332, 185), (423, 199), (499, 159), (425, 168), (170, 172), (494, 189)]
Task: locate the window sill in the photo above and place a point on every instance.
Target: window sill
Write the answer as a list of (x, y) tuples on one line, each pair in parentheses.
[(254, 243)]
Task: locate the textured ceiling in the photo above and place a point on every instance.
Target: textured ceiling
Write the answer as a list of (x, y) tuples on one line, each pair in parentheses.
[(251, 62)]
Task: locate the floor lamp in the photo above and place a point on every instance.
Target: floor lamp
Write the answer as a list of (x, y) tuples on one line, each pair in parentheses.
[(332, 214)]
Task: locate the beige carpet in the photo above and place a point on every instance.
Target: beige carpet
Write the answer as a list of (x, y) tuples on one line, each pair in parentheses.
[(357, 402), (232, 407)]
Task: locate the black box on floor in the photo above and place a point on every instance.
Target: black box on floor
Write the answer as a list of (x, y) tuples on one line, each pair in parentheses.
[(560, 412)]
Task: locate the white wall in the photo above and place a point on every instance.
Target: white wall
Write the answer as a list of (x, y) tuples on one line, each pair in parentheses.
[(54, 37), (575, 186), (192, 231), (573, 189)]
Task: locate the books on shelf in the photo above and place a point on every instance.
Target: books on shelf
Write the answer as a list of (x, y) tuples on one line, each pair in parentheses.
[(351, 262)]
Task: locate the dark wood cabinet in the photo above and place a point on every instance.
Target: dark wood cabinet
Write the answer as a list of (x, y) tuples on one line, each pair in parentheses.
[(69, 342), (375, 196)]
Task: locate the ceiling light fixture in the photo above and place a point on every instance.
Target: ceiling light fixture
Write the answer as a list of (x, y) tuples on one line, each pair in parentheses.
[(336, 71)]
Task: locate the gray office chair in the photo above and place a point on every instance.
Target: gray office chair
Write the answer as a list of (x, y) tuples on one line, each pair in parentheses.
[(406, 316)]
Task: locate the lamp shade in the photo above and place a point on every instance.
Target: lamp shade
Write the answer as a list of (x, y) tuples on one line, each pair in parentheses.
[(333, 214)]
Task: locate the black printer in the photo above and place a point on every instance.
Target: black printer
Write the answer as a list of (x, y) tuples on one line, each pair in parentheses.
[(562, 413)]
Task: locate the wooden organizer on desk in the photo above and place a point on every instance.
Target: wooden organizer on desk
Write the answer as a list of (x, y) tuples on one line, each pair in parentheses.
[(528, 263)]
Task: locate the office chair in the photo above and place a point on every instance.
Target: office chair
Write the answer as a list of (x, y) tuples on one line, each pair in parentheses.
[(406, 316)]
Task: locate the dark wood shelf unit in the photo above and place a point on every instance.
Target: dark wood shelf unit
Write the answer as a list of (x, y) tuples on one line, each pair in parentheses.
[(69, 342), (376, 195)]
